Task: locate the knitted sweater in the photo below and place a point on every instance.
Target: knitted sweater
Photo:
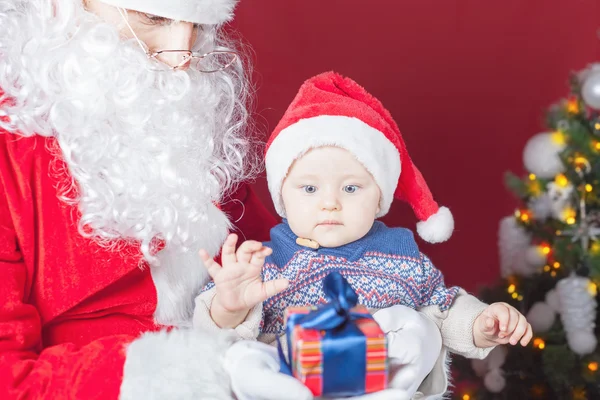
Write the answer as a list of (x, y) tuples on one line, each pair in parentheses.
[(385, 268)]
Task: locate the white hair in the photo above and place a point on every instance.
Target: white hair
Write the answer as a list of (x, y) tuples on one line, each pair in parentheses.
[(148, 153)]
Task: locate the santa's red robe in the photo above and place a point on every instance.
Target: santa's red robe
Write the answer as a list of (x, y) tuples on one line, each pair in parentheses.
[(69, 309)]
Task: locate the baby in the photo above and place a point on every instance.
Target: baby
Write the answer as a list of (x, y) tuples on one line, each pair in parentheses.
[(334, 164)]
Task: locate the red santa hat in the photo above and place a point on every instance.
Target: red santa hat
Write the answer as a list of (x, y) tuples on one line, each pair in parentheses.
[(209, 12), (330, 110)]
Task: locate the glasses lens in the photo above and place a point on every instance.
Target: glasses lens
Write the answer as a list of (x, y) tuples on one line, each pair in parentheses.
[(215, 61)]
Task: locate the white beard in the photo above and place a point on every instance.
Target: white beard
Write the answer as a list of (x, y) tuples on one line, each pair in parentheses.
[(150, 152)]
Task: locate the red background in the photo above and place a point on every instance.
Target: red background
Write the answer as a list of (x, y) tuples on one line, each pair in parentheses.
[(468, 82)]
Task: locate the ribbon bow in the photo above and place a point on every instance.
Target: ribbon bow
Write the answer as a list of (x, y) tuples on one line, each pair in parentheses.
[(335, 314)]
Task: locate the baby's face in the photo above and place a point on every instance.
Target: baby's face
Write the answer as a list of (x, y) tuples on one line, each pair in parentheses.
[(330, 197)]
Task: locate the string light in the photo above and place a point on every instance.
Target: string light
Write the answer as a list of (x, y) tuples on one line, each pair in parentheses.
[(592, 289), (589, 188), (511, 288), (593, 366), (558, 138), (546, 268), (545, 249), (532, 177), (556, 265), (569, 215), (539, 343), (553, 274), (466, 397), (573, 106), (561, 180), (523, 215)]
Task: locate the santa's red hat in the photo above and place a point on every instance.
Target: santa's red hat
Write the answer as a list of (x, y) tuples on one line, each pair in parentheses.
[(330, 110)]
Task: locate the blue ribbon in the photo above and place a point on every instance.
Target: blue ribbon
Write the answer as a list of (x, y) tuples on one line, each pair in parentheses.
[(344, 346)]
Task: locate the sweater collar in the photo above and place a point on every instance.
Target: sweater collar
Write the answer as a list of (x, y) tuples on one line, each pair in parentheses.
[(285, 246)]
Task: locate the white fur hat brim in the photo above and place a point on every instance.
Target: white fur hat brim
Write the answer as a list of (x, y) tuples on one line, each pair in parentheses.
[(206, 12)]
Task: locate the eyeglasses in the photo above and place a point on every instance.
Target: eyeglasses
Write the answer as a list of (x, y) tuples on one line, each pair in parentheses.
[(213, 61)]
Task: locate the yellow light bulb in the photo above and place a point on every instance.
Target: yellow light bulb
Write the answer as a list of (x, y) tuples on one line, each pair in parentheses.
[(511, 288), (582, 162), (556, 265), (546, 268), (515, 295), (532, 177), (589, 188), (569, 215), (553, 274), (573, 106), (539, 343), (558, 138), (466, 397), (593, 366), (592, 289), (561, 180), (545, 250)]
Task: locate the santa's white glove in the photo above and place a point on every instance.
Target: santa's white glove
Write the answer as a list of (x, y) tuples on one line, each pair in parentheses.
[(414, 345), (254, 371)]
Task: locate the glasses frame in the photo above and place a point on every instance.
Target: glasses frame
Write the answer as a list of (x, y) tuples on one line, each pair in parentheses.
[(187, 55)]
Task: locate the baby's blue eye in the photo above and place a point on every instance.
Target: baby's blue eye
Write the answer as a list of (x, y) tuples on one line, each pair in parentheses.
[(350, 188), (309, 189)]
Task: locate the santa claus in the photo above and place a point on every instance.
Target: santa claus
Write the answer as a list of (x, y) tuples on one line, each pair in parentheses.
[(125, 145)]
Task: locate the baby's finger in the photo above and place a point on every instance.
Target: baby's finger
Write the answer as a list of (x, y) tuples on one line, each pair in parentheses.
[(519, 331), (271, 288), (211, 265), (258, 257), (228, 252), (502, 315), (512, 322), (244, 253), (489, 325), (527, 337)]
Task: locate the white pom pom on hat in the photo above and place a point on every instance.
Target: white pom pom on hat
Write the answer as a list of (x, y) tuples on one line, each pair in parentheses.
[(331, 110)]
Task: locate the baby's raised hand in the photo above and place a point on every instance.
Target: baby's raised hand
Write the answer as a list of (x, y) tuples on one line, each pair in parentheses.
[(501, 323), (238, 281)]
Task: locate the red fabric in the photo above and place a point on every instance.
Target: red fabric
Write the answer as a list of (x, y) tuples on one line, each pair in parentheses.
[(331, 94), (69, 307)]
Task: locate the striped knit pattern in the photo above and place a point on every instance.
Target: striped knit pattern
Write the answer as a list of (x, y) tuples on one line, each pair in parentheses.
[(380, 280)]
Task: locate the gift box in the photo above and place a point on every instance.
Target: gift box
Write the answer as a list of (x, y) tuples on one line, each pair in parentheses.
[(336, 349)]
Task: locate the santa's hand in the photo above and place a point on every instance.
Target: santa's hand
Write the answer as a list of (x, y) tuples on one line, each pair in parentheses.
[(238, 282), (414, 345), (254, 371), (501, 323)]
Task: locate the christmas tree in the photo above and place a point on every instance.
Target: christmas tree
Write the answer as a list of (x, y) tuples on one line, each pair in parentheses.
[(550, 262)]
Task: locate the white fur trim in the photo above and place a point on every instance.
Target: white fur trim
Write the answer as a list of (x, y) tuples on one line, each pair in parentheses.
[(210, 12), (370, 146), (181, 364), (438, 227), (180, 276)]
